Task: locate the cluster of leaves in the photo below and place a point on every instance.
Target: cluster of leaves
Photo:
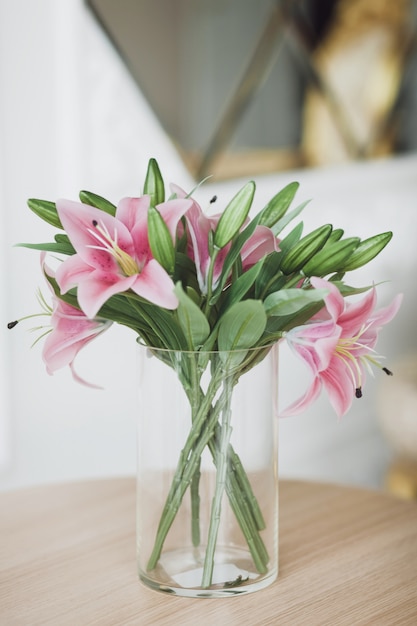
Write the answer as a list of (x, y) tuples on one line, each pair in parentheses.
[(243, 309)]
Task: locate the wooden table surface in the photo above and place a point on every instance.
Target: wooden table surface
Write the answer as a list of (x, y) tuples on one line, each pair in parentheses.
[(67, 557)]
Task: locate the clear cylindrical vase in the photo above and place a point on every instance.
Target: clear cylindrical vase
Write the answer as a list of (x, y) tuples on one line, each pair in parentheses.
[(207, 478)]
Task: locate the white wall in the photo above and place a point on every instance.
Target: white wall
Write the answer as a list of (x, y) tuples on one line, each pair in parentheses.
[(364, 199), (71, 119)]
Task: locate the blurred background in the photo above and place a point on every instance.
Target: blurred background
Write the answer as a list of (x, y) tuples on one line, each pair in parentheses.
[(319, 91)]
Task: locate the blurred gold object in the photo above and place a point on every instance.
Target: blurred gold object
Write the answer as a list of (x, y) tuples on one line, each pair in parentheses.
[(401, 479), (360, 62), (397, 416)]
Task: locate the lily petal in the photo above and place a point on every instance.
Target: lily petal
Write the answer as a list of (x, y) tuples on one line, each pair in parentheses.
[(261, 243), (72, 271), (335, 302), (340, 352), (172, 211), (315, 343), (154, 284), (386, 314), (133, 211), (84, 226), (305, 401), (339, 386), (357, 314), (95, 290), (71, 331)]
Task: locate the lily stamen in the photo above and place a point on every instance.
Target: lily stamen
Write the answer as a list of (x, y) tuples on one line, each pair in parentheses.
[(127, 264), (345, 349)]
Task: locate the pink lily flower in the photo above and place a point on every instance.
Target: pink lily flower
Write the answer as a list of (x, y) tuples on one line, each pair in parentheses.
[(338, 347), (113, 253), (261, 243), (71, 331)]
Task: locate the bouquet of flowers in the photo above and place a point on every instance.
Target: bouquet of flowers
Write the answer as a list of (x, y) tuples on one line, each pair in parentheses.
[(215, 284)]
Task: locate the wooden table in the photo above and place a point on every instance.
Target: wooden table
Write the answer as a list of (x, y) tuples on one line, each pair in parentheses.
[(67, 557)]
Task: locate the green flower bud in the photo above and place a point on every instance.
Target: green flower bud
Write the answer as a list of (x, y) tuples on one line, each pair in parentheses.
[(97, 201), (234, 216), (160, 240), (367, 250), (154, 184), (45, 210), (305, 249), (331, 257), (278, 205)]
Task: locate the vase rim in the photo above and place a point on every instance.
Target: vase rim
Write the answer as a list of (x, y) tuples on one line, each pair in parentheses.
[(266, 346)]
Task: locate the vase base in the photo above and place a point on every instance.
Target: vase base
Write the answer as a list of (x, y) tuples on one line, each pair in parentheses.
[(180, 573)]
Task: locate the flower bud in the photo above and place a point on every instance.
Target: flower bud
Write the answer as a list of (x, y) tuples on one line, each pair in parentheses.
[(305, 249), (154, 184), (234, 216), (367, 250)]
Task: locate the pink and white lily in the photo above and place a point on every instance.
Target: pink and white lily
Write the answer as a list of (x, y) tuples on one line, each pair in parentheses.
[(261, 243), (71, 331), (338, 346), (113, 253)]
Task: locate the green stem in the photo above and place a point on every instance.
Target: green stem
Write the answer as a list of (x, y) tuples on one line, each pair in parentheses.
[(242, 501), (247, 524), (187, 465), (246, 489), (194, 395), (195, 506), (206, 431), (210, 280), (222, 465), (245, 506)]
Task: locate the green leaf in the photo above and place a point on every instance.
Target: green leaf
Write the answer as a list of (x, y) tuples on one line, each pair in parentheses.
[(61, 245), (154, 184), (65, 242), (367, 250), (286, 244), (92, 199), (156, 321), (269, 275), (278, 205), (331, 257), (231, 258), (347, 290), (191, 319), (234, 215), (338, 276), (53, 246), (185, 271), (240, 287), (45, 210), (242, 325), (288, 217), (305, 249), (197, 186), (278, 324), (291, 301), (160, 240)]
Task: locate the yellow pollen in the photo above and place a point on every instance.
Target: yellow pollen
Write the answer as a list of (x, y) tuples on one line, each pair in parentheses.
[(345, 350), (126, 263)]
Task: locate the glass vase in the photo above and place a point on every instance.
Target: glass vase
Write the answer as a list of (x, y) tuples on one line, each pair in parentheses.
[(207, 477)]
